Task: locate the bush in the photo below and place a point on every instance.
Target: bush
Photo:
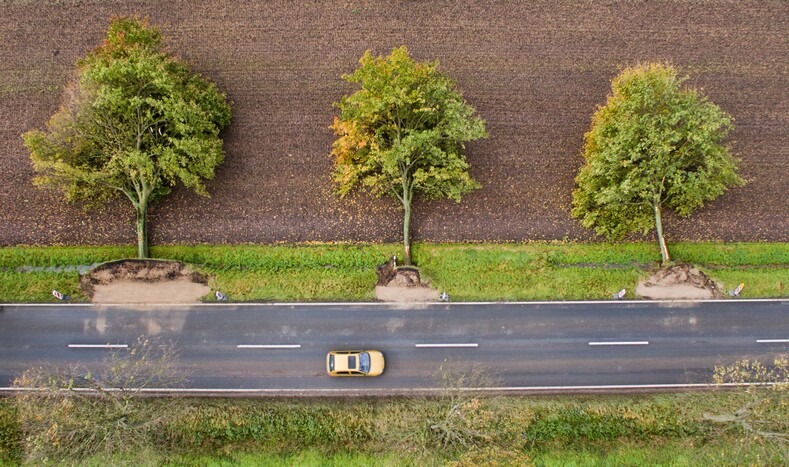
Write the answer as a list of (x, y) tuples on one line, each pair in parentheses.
[(10, 434), (578, 424), (506, 427), (281, 426)]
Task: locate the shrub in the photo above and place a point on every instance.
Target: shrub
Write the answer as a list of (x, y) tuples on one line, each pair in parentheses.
[(10, 434)]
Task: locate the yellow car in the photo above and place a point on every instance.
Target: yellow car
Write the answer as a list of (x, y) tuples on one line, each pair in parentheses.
[(355, 363)]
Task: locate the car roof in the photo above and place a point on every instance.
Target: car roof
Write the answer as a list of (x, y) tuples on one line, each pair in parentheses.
[(341, 362)]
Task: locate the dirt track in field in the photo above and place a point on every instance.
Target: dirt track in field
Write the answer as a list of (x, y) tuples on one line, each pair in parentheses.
[(534, 70)]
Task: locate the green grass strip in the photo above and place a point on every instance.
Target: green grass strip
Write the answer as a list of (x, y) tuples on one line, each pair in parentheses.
[(473, 272), (38, 286)]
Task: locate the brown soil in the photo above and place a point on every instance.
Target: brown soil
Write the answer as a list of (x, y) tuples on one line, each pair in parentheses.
[(680, 281), (535, 70), (406, 294), (144, 281), (170, 291), (403, 284)]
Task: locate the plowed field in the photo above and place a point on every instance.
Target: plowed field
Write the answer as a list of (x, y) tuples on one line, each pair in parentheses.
[(535, 70)]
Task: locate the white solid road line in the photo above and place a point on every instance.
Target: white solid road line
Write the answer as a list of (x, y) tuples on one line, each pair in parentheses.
[(772, 341), (399, 306), (446, 345), (268, 346), (98, 346), (621, 343), (392, 305), (369, 390)]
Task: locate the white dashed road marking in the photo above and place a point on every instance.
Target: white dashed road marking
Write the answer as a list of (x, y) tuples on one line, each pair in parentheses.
[(621, 343), (269, 346), (446, 345), (98, 346)]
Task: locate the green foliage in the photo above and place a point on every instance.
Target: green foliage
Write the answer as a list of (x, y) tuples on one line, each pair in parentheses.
[(689, 452), (680, 453), (76, 411), (348, 432), (281, 425), (404, 132), (250, 457), (408, 124), (654, 145), (763, 418), (462, 419), (10, 434), (597, 424), (135, 121)]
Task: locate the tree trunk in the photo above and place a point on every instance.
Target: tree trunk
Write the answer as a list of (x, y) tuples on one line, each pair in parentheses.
[(659, 228), (142, 230), (407, 232)]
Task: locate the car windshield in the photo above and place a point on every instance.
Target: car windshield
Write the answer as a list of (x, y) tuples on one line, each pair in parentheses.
[(364, 362)]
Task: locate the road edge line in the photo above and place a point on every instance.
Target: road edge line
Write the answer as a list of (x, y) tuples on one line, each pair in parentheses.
[(396, 304), (373, 391)]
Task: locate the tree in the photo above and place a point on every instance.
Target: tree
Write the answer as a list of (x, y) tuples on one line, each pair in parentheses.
[(654, 145), (462, 418), (404, 132), (135, 121), (78, 411), (764, 415)]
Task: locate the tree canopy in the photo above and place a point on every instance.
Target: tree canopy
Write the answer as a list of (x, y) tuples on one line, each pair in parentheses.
[(404, 132), (135, 121), (654, 145), (94, 409), (763, 413)]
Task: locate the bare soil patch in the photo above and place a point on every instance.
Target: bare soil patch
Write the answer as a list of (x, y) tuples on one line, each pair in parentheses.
[(144, 281), (680, 281), (406, 294), (403, 284), (171, 291)]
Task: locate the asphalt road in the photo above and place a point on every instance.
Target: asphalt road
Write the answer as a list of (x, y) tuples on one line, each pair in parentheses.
[(281, 348)]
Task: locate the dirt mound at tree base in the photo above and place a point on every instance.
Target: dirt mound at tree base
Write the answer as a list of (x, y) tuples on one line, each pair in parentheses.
[(403, 284), (144, 281), (680, 281)]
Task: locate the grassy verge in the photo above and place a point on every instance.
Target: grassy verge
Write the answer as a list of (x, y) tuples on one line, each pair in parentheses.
[(676, 453), (10, 433), (37, 286), (533, 271), (612, 430)]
